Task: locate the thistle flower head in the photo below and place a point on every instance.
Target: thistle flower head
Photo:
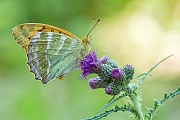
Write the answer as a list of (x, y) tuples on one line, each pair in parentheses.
[(89, 64), (129, 72), (103, 59), (116, 73), (128, 66), (112, 89), (92, 83), (108, 90), (110, 76), (95, 83)]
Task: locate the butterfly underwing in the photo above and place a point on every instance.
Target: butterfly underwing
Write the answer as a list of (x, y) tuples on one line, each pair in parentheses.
[(51, 51)]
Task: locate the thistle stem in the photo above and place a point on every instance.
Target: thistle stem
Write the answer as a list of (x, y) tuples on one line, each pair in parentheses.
[(137, 106)]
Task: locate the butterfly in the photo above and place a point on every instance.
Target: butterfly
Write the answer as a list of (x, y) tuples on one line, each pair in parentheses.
[(51, 51)]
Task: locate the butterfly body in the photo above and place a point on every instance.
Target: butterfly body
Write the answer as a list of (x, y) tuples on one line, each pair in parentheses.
[(52, 52)]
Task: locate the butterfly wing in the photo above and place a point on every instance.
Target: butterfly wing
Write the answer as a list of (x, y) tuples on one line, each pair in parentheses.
[(50, 54), (24, 32)]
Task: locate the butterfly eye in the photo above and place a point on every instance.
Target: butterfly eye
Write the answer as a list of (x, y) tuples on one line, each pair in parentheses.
[(87, 40)]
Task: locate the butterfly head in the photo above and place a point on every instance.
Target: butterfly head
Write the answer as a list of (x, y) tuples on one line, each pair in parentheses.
[(87, 44)]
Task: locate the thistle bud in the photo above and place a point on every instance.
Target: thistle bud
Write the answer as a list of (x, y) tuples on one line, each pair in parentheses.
[(104, 59), (112, 89), (116, 73), (129, 72), (105, 68), (95, 83), (105, 72)]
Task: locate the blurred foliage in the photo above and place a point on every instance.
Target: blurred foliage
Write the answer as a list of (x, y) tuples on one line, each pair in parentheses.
[(135, 32)]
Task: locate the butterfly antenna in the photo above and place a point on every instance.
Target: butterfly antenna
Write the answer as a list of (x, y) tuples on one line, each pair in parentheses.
[(93, 26)]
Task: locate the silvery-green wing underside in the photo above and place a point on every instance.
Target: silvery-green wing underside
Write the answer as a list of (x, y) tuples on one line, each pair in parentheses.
[(52, 55)]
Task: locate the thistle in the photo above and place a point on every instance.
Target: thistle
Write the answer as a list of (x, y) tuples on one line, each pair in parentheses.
[(117, 81), (110, 76)]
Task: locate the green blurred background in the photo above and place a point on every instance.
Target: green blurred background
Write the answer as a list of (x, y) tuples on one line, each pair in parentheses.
[(137, 32)]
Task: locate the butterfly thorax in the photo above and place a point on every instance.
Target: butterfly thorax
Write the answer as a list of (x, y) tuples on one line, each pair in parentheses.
[(86, 42)]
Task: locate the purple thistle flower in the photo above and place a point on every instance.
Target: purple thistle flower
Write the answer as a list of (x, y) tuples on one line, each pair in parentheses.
[(112, 89), (90, 64), (103, 59), (129, 72), (95, 83), (108, 90), (128, 66), (92, 83), (116, 73)]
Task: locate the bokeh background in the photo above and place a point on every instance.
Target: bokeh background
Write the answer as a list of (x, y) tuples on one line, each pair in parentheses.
[(137, 32)]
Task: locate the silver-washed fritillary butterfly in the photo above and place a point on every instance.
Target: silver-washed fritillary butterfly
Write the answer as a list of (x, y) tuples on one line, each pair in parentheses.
[(52, 52)]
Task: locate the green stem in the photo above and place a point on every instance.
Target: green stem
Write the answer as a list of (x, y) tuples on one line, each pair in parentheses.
[(137, 106), (148, 73)]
